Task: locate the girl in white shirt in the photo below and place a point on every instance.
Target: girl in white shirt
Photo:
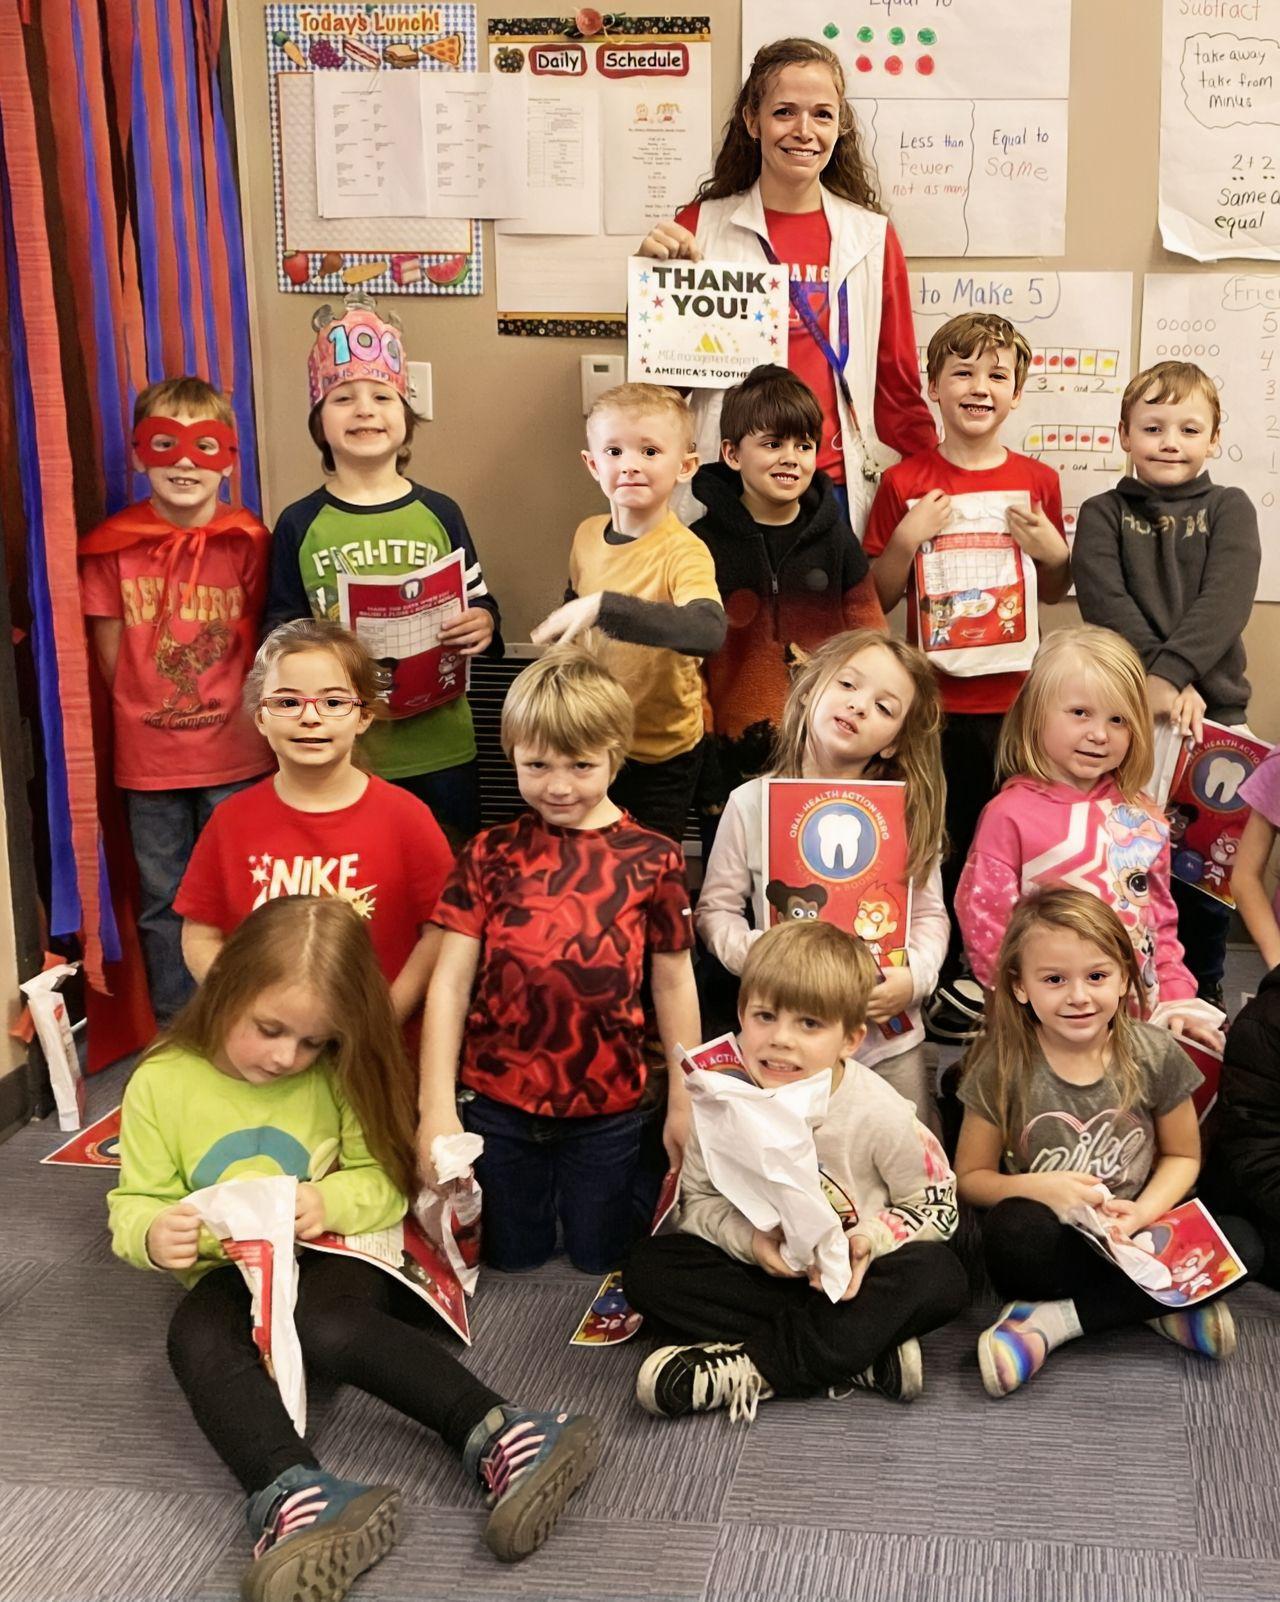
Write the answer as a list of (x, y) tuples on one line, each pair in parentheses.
[(864, 706)]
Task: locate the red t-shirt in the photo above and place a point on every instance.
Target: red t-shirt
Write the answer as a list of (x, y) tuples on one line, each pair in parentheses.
[(902, 420), (385, 854), (565, 918), (176, 693), (907, 481)]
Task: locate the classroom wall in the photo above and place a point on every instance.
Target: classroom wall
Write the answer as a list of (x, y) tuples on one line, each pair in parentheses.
[(508, 414)]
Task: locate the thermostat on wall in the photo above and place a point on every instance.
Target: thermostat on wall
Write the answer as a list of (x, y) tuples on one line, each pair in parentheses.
[(599, 373)]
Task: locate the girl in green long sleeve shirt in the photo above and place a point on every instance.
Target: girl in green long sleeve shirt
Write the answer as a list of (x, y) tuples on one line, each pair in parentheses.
[(289, 1061)]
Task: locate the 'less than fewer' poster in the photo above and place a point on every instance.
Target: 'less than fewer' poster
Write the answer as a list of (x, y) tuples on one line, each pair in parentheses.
[(965, 169)]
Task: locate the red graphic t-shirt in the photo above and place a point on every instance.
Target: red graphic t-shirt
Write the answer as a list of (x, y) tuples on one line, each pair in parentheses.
[(385, 854), (565, 918), (802, 242), (191, 605), (908, 481)]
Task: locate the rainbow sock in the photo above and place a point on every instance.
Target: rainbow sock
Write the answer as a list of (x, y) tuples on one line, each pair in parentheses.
[(1208, 1329), (1017, 1344)]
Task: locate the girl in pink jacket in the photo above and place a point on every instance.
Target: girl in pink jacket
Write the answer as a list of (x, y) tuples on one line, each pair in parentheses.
[(1075, 753)]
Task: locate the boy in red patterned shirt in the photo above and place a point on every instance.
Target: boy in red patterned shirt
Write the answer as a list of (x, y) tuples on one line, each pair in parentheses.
[(556, 914)]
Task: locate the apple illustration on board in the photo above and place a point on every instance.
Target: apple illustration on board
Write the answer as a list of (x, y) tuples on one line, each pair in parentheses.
[(297, 267)]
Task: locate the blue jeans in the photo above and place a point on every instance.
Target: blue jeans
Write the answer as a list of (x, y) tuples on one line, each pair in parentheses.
[(164, 825), (535, 1167)]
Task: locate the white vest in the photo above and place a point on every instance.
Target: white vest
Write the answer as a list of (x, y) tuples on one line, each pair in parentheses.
[(731, 230)]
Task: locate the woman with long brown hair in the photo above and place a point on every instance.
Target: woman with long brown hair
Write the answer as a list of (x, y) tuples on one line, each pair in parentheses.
[(289, 1062), (792, 186)]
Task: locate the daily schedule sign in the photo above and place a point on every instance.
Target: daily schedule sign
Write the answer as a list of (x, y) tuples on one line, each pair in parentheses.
[(703, 324)]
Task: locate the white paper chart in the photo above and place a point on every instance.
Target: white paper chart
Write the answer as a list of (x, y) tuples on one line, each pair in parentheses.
[(964, 171), (1229, 324), (1219, 133), (1079, 326), (368, 129)]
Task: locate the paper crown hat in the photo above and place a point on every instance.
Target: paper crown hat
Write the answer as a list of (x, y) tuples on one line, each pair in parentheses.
[(358, 344)]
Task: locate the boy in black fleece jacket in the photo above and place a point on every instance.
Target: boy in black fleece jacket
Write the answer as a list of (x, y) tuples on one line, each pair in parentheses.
[(1170, 560), (788, 568)]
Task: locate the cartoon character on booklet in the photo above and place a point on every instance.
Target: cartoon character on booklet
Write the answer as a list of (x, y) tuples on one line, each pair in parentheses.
[(874, 921), (1009, 610), (1181, 817), (610, 1311), (795, 901), (1223, 854), (946, 610)]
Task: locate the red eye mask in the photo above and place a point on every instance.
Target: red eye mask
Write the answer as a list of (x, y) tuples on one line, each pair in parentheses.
[(190, 442)]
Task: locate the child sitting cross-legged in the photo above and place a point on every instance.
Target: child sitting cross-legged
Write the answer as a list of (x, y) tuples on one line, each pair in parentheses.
[(1071, 1102), (761, 1329)]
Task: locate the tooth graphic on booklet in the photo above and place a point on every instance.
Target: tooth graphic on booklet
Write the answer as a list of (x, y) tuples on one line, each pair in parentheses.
[(1226, 775), (839, 835)]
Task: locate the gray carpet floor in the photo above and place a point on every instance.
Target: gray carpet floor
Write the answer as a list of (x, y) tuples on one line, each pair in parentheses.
[(1129, 1469)]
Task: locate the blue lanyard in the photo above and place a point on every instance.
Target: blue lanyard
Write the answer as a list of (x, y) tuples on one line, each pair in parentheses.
[(836, 360)]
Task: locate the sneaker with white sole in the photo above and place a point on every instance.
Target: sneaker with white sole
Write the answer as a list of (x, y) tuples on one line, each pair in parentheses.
[(315, 1535), (530, 1464), (897, 1374), (676, 1380)]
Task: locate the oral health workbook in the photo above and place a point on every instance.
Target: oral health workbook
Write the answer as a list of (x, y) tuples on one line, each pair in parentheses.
[(837, 850)]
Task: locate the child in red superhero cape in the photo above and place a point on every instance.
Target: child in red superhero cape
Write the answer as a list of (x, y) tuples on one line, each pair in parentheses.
[(172, 590)]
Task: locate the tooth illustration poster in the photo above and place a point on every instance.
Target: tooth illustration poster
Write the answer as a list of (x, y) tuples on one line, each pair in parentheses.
[(837, 851), (1203, 804), (703, 324)]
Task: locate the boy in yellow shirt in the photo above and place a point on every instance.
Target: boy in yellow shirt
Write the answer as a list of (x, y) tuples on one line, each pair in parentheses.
[(647, 586)]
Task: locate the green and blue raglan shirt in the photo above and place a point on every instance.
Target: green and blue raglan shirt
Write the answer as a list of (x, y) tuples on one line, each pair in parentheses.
[(319, 537), (185, 1125)]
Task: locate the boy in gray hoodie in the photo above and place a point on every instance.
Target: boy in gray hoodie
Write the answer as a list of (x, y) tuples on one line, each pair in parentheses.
[(1170, 560)]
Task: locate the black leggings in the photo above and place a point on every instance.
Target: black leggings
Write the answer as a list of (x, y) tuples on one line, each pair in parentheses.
[(1032, 1257), (800, 1341), (355, 1324)]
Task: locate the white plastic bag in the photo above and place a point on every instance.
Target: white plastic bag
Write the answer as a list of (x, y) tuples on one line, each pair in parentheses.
[(759, 1151), (450, 1216), (254, 1219), (974, 595), (53, 1030)]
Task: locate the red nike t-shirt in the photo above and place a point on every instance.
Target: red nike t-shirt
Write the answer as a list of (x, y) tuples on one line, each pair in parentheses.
[(802, 241), (385, 854)]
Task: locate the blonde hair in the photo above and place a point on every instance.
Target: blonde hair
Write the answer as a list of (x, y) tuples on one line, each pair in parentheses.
[(737, 165), (812, 968), (323, 943), (1008, 1036), (973, 334), (1107, 661), (1169, 383), (187, 394), (366, 677), (567, 703), (646, 400), (917, 750)]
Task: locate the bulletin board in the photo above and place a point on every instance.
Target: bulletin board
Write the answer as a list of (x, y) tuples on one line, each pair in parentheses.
[(378, 255), (646, 84)]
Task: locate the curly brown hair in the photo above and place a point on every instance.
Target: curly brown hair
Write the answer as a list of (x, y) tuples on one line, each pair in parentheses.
[(847, 174)]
